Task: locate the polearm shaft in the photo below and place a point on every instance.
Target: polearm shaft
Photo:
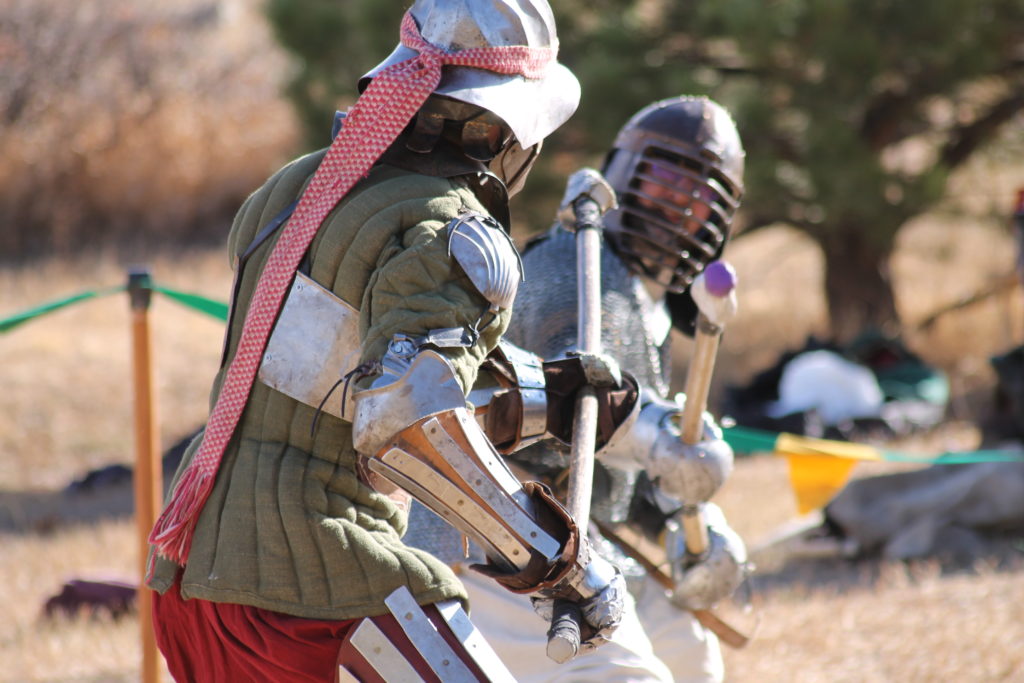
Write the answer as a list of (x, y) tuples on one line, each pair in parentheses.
[(584, 429), (590, 196), (148, 475), (714, 291)]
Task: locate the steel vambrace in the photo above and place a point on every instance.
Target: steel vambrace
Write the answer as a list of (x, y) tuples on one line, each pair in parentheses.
[(412, 428)]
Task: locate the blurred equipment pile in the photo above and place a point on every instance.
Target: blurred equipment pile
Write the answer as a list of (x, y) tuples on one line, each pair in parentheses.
[(953, 512), (101, 493), (114, 597), (873, 387)]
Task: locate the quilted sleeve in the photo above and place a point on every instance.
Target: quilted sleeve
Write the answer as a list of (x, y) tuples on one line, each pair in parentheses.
[(396, 268)]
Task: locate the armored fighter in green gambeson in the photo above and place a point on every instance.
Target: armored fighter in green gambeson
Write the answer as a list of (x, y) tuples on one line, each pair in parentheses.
[(362, 311)]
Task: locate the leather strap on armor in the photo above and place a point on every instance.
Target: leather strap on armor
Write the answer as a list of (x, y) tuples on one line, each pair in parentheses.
[(616, 404), (514, 412)]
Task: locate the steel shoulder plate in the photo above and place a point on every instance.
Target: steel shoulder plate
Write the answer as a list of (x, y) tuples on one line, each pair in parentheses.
[(488, 256)]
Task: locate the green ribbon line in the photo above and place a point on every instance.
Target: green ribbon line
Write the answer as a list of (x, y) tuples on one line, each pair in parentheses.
[(956, 457), (746, 440), (13, 321), (202, 304), (211, 307)]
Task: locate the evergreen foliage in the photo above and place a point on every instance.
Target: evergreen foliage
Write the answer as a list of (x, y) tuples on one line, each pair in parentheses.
[(853, 113)]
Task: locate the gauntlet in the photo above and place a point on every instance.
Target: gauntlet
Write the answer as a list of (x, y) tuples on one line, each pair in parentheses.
[(717, 573), (689, 473)]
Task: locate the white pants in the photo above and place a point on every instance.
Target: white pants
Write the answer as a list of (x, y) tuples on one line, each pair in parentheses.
[(691, 652), (686, 653)]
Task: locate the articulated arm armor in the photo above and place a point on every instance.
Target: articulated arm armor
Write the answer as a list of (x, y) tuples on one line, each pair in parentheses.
[(412, 428)]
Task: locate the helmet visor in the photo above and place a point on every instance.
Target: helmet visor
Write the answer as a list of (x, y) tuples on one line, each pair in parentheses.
[(673, 217)]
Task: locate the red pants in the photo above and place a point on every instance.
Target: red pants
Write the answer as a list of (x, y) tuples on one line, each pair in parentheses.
[(227, 643)]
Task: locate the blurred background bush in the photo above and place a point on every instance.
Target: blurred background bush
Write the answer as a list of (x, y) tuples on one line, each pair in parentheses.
[(128, 124), (133, 123)]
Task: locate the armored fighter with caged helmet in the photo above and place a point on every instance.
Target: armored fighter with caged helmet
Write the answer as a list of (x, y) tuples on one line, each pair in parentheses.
[(677, 170)]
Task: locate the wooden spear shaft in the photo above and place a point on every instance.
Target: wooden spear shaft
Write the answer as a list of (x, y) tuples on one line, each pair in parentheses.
[(584, 428), (564, 636), (148, 474), (714, 291)]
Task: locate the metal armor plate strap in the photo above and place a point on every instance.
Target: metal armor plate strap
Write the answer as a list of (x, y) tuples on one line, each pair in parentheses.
[(315, 343)]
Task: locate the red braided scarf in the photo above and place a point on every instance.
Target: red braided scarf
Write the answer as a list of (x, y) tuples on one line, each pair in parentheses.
[(378, 116)]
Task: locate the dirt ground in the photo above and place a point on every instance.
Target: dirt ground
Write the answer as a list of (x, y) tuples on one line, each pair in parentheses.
[(66, 409)]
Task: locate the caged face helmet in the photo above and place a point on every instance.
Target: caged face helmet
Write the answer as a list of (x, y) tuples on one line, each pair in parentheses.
[(677, 167)]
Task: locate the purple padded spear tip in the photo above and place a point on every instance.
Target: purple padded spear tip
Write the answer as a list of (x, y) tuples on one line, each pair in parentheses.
[(719, 278)]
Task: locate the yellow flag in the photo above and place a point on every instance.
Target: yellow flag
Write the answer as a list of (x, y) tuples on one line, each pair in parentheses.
[(816, 479), (791, 444), (819, 468)]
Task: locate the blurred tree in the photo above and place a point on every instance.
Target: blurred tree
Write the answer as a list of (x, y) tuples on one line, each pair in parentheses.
[(128, 124), (853, 113), (335, 43)]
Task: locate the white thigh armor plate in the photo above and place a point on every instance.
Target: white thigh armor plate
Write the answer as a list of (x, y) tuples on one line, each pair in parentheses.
[(369, 647)]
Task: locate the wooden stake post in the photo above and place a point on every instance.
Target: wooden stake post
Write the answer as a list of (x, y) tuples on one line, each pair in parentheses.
[(148, 477)]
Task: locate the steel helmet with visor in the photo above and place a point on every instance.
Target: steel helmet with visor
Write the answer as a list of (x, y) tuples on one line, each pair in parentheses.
[(529, 108), (677, 167)]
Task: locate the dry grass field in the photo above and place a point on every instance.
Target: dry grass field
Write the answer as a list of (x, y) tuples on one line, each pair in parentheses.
[(66, 408), (66, 385)]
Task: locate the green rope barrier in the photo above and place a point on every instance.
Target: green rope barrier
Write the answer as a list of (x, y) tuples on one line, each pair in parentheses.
[(746, 440), (202, 304), (211, 307), (956, 457), (9, 323)]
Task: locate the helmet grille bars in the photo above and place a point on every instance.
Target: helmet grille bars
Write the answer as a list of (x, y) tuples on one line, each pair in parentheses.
[(677, 168)]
